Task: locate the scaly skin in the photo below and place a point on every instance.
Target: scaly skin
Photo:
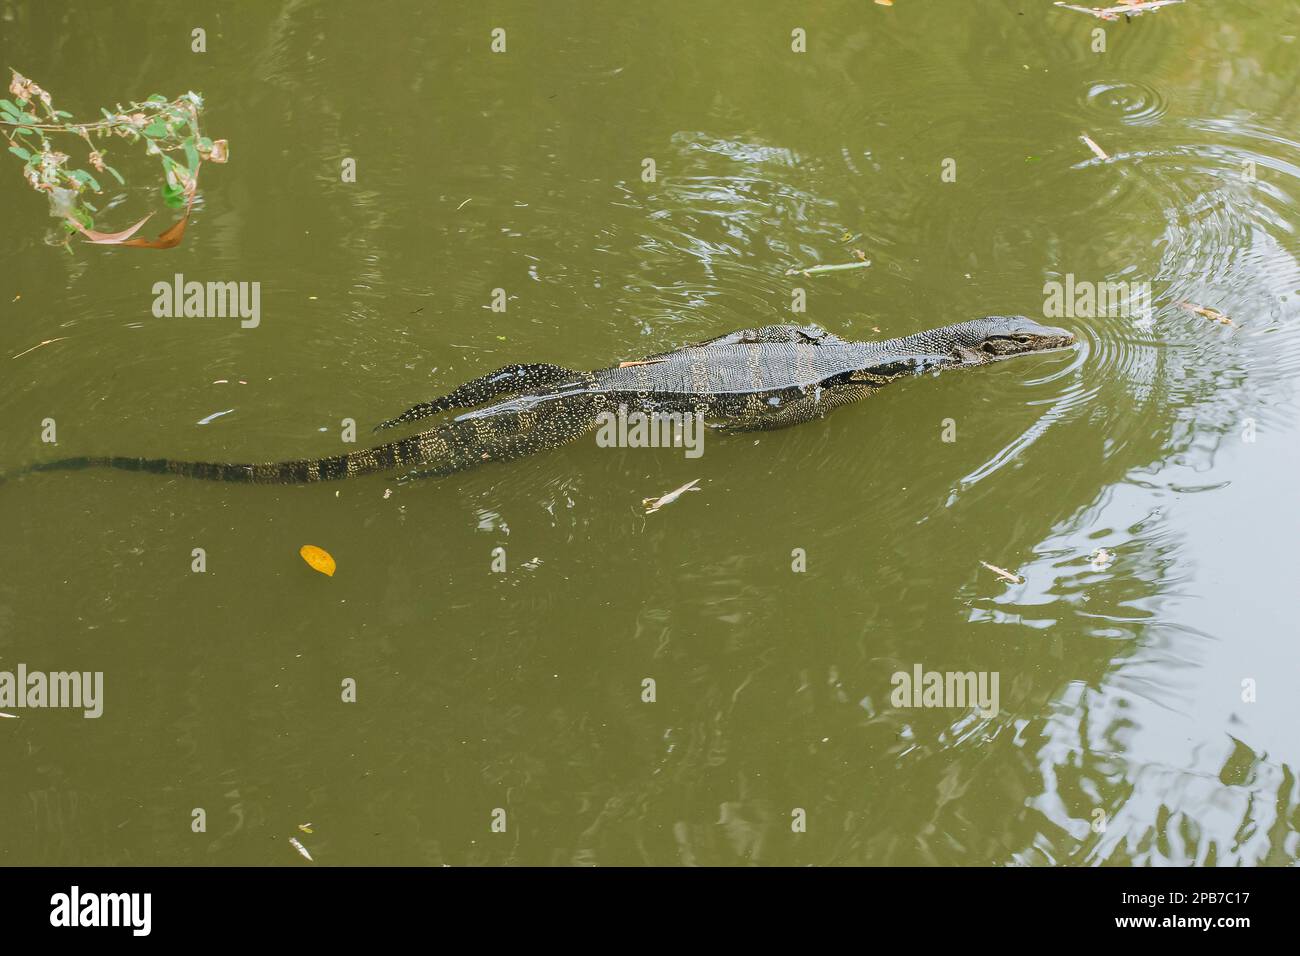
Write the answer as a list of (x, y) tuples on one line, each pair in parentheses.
[(753, 379)]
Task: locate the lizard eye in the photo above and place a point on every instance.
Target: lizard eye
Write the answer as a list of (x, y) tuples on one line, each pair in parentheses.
[(1023, 339)]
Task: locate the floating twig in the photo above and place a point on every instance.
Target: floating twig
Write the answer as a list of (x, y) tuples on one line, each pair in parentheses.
[(818, 270), (61, 338), (1092, 145), (654, 504), (1003, 573)]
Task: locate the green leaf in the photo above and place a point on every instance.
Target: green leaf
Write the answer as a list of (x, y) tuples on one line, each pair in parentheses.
[(25, 131), (116, 175), (191, 154), (9, 108), (205, 143), (81, 176), (21, 153), (173, 197), (63, 113), (156, 130), (156, 98)]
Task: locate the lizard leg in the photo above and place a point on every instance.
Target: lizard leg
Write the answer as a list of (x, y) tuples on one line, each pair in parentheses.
[(467, 443), (814, 404), (507, 380)]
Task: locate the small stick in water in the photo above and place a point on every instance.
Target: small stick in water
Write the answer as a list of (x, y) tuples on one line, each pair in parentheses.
[(61, 338), (654, 504), (818, 270), (1003, 573), (1088, 141)]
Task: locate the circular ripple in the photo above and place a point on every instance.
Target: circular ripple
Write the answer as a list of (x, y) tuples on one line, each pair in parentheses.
[(1135, 103)]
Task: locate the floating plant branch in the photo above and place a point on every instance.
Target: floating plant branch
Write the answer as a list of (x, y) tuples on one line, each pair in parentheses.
[(169, 129)]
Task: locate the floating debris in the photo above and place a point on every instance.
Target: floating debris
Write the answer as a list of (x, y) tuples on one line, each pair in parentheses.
[(10, 716), (61, 338), (818, 270), (1003, 573), (462, 205), (293, 841), (318, 558), (213, 417), (169, 238), (654, 504), (1092, 145), (1214, 314), (1101, 559), (1131, 8), (305, 827)]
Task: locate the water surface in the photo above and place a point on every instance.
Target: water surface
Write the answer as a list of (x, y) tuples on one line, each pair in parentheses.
[(1121, 683)]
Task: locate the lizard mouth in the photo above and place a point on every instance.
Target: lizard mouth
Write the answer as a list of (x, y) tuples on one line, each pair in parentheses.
[(1049, 340)]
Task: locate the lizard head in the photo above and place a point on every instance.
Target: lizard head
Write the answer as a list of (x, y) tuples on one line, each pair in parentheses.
[(1000, 336)]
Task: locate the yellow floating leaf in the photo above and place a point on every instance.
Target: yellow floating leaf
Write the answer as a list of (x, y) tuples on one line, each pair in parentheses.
[(318, 558)]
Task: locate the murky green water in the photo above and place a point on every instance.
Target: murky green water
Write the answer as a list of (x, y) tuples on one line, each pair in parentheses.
[(1122, 734)]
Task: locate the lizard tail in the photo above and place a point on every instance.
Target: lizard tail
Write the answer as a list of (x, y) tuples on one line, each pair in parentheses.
[(445, 450), (302, 471)]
